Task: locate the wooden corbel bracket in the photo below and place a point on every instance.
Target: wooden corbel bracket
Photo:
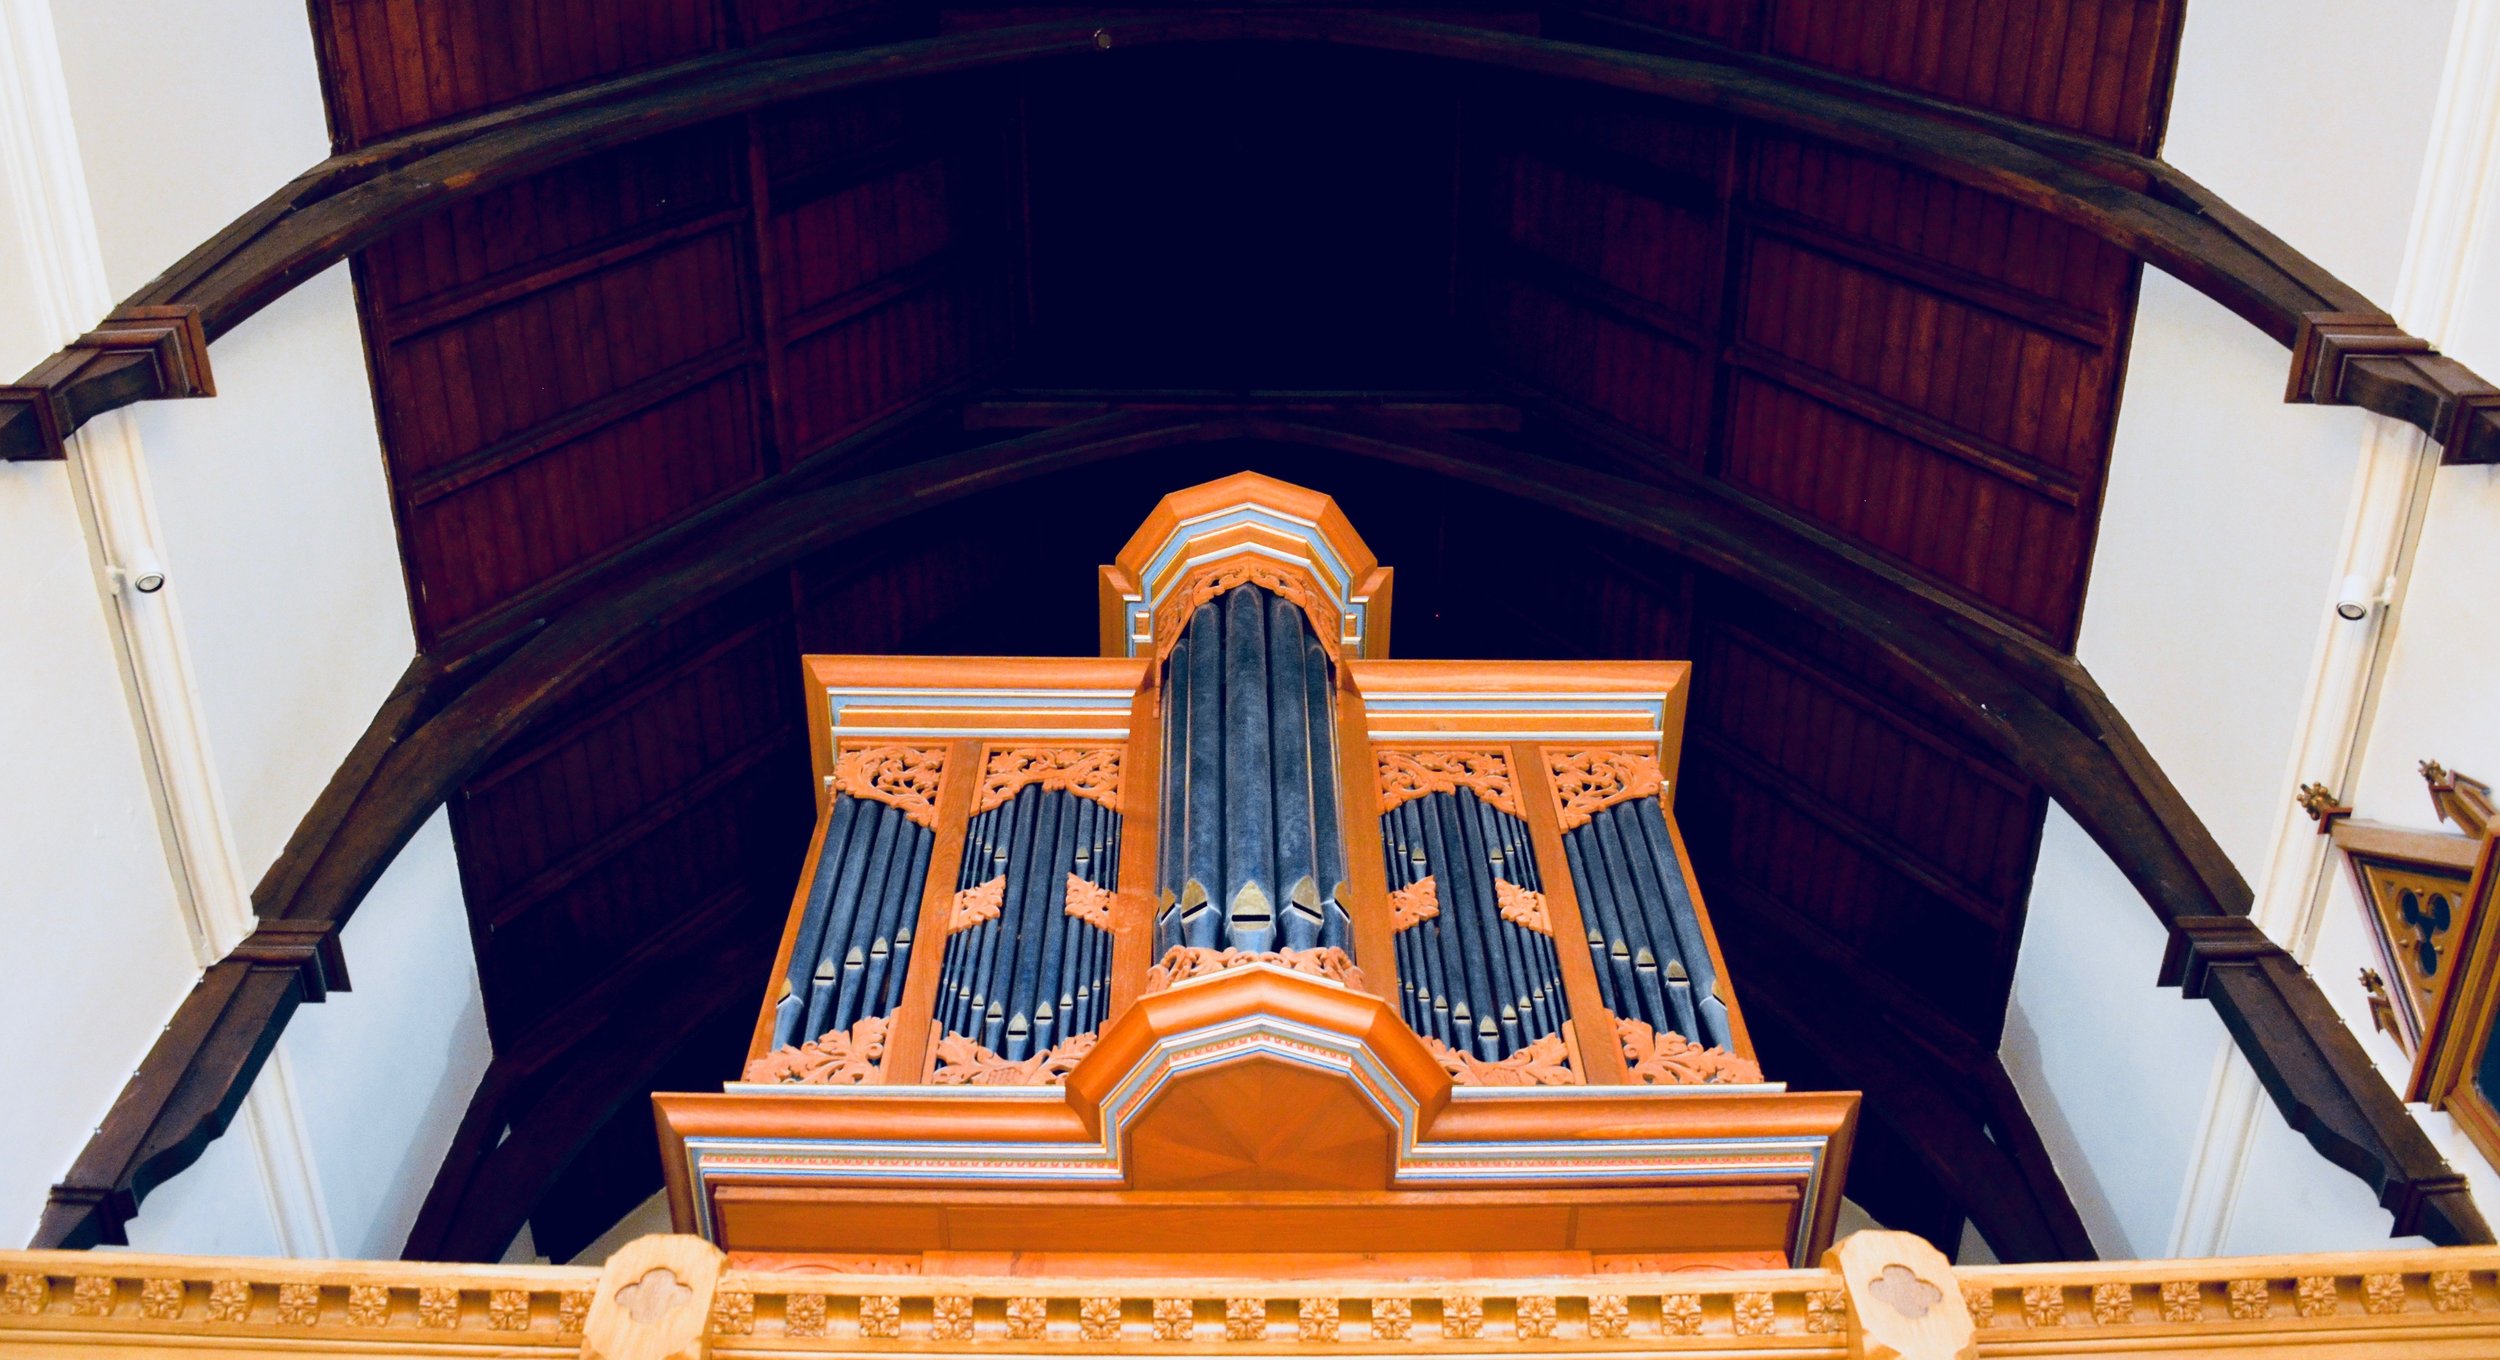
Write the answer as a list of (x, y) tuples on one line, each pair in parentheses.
[(2200, 944), (135, 354), (310, 948), (2365, 359)]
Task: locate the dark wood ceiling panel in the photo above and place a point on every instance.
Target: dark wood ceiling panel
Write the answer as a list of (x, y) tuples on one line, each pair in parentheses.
[(1957, 817), (1607, 358), (561, 506), (886, 255), (835, 243), (860, 368), (400, 64), (1984, 537), (676, 785), (1829, 813), (499, 377), (2098, 67), (565, 218), (1962, 240), (1926, 371)]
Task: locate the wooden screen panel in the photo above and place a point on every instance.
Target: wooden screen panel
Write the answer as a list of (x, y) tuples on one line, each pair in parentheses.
[(395, 64)]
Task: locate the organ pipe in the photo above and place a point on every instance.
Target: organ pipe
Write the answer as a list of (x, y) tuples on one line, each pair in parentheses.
[(1253, 857)]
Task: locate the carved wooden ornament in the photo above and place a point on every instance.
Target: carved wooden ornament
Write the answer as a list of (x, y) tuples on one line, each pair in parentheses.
[(1086, 771), (965, 1062), (978, 903), (1212, 580), (1406, 775), (1415, 903), (837, 1059), (1666, 1058), (1089, 902), (902, 777), (1547, 1062), (1182, 962), (1589, 782), (1522, 907)]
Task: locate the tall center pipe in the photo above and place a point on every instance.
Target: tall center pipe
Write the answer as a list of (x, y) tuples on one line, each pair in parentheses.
[(1253, 856)]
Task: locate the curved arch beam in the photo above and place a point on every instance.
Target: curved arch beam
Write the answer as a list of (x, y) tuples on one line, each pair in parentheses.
[(2046, 717), (2344, 349)]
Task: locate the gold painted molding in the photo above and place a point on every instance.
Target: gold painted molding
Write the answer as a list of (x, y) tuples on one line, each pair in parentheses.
[(672, 1298)]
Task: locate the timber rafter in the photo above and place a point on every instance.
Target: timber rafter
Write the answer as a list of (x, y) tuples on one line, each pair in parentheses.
[(2345, 349), (2040, 711)]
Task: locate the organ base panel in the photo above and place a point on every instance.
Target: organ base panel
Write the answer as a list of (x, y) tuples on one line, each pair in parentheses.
[(1244, 949)]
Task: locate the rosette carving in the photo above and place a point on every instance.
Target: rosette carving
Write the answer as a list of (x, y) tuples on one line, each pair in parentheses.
[(1662, 1057), (1408, 775), (1543, 1063), (964, 1062), (1589, 782), (1086, 771), (901, 777), (837, 1059)]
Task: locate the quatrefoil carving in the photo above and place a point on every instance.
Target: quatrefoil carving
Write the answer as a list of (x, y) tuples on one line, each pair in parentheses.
[(1900, 1286), (654, 1296)]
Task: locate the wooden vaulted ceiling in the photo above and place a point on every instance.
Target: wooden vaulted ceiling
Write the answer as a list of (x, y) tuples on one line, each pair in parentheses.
[(1916, 372)]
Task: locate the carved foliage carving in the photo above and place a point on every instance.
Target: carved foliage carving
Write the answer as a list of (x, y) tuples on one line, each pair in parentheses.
[(1180, 963), (1285, 583), (1089, 902), (1543, 1063), (1415, 903), (978, 903), (964, 1062), (1589, 782), (1666, 1058), (837, 1059), (1521, 907), (1086, 771), (1408, 775), (902, 777)]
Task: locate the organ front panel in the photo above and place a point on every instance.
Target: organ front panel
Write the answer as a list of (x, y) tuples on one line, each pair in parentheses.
[(1246, 905)]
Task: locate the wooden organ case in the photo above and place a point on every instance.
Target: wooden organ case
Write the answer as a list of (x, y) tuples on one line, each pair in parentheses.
[(1247, 950)]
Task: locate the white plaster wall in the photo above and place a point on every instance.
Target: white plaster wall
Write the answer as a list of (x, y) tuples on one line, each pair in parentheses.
[(86, 901), (277, 527), (2224, 524), (274, 527), (387, 1068), (2112, 1069)]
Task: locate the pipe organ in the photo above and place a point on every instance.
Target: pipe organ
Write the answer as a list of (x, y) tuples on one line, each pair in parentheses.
[(1246, 946)]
